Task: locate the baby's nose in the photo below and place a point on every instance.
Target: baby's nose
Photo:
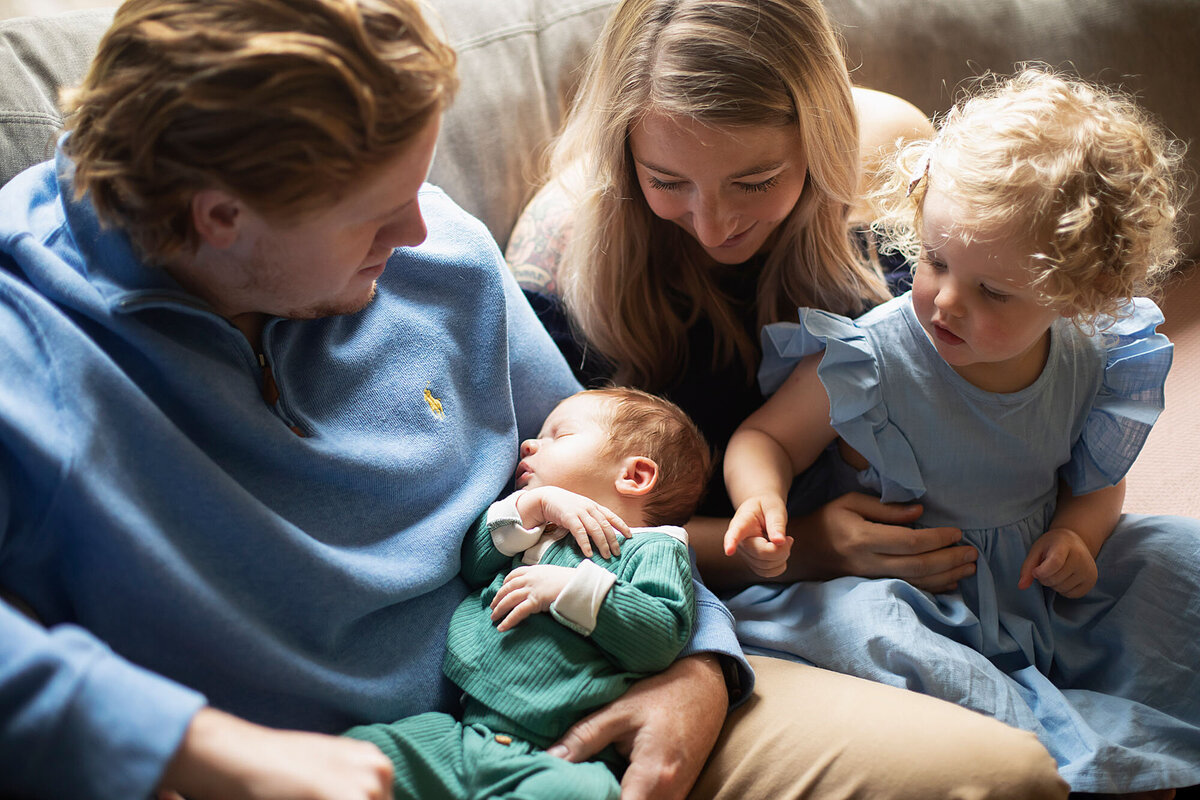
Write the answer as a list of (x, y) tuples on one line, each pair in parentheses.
[(527, 447)]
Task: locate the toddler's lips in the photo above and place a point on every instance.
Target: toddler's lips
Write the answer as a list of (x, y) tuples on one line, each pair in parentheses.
[(944, 334)]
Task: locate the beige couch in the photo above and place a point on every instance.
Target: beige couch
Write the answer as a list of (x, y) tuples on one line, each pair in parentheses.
[(519, 62)]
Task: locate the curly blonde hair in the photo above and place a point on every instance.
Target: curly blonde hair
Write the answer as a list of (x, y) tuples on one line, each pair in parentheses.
[(646, 425), (634, 283), (284, 103), (1078, 170)]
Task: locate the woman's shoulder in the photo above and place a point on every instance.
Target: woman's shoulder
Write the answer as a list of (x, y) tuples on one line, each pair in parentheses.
[(539, 237)]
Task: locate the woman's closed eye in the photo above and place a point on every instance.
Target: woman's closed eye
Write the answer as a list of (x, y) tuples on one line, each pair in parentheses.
[(661, 185), (761, 186)]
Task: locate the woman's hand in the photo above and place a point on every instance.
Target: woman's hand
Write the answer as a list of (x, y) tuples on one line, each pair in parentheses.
[(665, 724), (223, 757), (857, 534)]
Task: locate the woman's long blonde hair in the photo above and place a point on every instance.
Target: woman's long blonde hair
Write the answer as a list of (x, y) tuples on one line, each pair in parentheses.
[(632, 282)]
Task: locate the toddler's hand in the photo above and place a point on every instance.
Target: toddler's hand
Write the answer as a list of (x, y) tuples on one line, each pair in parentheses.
[(1061, 561), (758, 531), (527, 591), (585, 519)]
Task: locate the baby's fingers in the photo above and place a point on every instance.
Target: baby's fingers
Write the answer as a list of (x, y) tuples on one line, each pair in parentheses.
[(521, 611), (612, 528), (510, 594)]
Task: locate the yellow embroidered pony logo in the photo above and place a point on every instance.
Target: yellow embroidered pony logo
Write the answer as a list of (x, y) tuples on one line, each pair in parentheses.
[(434, 404)]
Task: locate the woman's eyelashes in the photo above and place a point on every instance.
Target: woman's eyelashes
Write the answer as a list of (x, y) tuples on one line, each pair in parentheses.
[(750, 188), (761, 186), (663, 186)]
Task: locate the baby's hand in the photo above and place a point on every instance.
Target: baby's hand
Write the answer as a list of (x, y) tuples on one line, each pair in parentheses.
[(759, 532), (1061, 561), (526, 591), (583, 518)]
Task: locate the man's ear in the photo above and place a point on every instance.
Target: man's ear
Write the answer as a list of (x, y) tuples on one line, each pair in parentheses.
[(637, 477), (217, 217)]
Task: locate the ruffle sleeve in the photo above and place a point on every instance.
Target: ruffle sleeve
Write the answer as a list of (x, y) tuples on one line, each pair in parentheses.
[(1128, 402), (850, 373)]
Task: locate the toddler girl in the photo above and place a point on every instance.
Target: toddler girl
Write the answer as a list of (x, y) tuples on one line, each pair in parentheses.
[(1008, 392)]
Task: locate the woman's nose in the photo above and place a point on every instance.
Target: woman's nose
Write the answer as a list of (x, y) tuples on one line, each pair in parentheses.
[(713, 224)]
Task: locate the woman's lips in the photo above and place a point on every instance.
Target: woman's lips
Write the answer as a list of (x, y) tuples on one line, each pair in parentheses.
[(737, 238)]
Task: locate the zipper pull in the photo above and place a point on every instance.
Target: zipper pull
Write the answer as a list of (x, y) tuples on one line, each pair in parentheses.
[(270, 390)]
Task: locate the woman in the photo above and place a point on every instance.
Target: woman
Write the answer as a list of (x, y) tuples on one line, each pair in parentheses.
[(701, 188), (629, 266)]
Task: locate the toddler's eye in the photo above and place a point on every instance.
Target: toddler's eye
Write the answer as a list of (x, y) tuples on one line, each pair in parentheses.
[(991, 294), (935, 264)]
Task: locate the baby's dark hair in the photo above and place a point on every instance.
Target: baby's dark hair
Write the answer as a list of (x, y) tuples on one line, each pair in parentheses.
[(646, 425)]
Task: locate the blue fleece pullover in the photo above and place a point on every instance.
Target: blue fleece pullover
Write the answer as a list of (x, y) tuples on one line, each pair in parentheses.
[(184, 546)]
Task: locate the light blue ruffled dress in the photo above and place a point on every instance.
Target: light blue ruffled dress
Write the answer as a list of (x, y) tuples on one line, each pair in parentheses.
[(1110, 683)]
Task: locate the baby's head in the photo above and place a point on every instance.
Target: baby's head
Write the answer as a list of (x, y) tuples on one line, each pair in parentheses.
[(634, 452), (1086, 181)]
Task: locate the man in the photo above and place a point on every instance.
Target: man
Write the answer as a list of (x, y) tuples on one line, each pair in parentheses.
[(242, 436)]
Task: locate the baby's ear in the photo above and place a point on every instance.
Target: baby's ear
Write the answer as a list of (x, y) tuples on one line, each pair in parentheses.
[(637, 477)]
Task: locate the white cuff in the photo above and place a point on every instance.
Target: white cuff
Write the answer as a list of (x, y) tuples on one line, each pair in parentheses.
[(504, 524), (578, 604)]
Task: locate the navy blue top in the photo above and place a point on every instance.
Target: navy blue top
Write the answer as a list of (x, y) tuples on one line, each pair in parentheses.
[(716, 399)]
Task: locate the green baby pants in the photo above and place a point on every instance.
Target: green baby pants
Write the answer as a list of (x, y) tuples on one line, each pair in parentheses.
[(435, 756)]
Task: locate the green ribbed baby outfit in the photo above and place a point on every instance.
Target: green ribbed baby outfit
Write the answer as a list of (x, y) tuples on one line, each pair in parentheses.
[(524, 687)]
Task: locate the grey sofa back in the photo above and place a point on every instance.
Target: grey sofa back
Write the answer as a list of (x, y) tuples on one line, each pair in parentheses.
[(519, 62)]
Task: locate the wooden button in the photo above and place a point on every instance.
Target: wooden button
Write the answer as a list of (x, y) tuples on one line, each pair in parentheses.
[(503, 738)]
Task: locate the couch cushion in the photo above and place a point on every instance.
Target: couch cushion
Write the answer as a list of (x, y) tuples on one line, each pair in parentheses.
[(518, 61), (37, 56)]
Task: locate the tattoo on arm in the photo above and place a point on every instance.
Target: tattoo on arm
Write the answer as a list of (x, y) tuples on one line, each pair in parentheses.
[(538, 240)]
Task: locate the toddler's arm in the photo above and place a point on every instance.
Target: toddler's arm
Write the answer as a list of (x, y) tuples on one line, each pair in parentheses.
[(1064, 557), (765, 454)]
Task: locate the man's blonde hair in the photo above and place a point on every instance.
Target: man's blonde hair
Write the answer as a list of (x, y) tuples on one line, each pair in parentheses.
[(642, 424), (283, 103), (1077, 170), (633, 283)]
